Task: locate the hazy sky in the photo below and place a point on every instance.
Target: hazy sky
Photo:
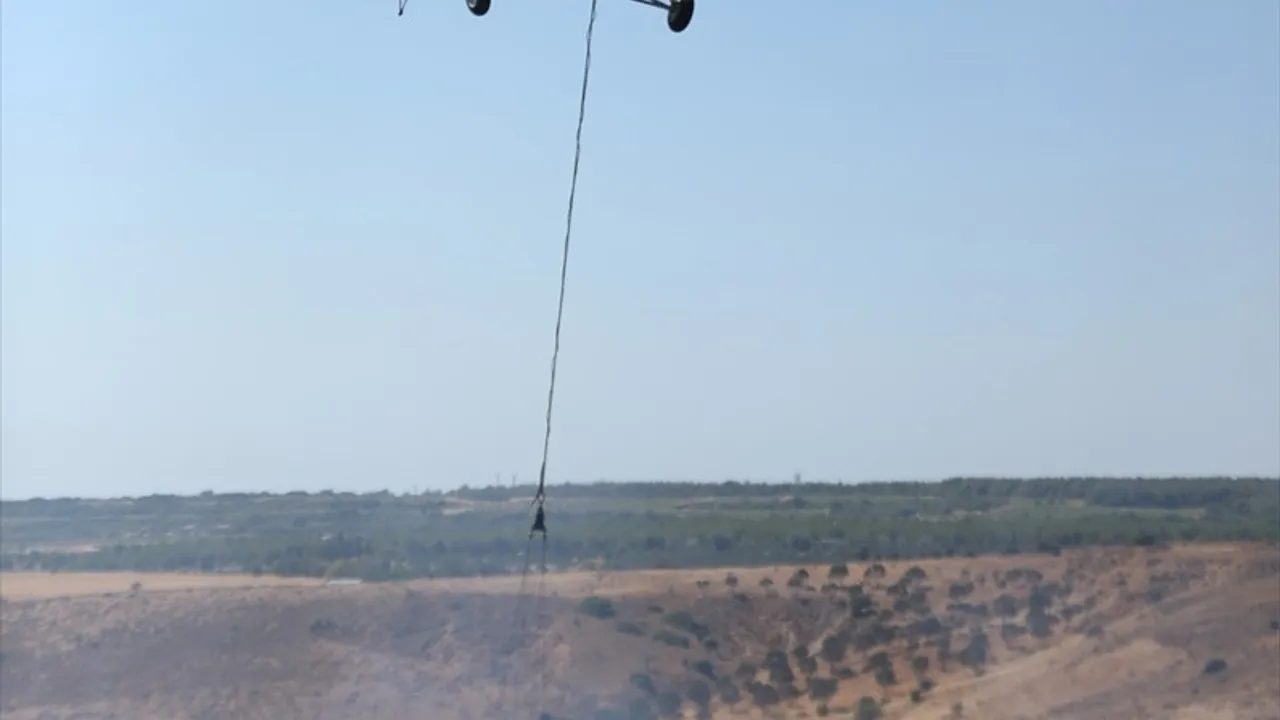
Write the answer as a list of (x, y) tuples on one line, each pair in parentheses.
[(295, 245)]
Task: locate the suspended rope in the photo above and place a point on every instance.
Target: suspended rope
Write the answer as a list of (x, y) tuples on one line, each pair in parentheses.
[(540, 496), (539, 526)]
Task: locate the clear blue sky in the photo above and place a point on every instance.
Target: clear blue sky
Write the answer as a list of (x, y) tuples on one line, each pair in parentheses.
[(298, 245)]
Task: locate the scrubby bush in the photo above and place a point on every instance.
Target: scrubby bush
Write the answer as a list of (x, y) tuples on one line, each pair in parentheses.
[(644, 683), (822, 688), (975, 653), (671, 638), (834, 647), (762, 694), (1214, 666), (597, 607), (682, 620), (778, 667), (699, 693)]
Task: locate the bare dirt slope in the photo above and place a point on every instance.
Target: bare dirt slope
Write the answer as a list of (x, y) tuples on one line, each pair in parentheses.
[(1182, 633)]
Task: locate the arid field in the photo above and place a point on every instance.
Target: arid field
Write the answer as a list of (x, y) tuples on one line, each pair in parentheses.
[(25, 585), (1186, 632)]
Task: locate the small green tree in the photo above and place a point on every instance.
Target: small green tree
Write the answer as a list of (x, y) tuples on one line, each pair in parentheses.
[(920, 664), (644, 683), (822, 688), (700, 694), (868, 708), (596, 607), (885, 678), (834, 647), (944, 650)]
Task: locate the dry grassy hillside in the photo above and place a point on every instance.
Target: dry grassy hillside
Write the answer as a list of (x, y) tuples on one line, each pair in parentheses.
[(1189, 632)]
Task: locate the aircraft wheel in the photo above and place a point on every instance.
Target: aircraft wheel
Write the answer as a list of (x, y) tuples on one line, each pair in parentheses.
[(679, 15), (478, 7)]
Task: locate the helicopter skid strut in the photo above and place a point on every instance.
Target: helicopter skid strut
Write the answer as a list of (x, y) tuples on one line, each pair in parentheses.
[(679, 12)]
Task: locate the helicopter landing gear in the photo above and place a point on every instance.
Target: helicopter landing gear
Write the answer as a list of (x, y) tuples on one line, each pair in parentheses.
[(679, 12), (679, 15)]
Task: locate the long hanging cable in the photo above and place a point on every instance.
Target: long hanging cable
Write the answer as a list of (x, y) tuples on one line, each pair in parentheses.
[(539, 498)]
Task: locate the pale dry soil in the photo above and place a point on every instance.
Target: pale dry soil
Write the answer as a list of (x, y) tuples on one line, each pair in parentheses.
[(21, 585), (1132, 631)]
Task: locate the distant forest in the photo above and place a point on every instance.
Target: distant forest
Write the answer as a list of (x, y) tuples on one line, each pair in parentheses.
[(607, 525)]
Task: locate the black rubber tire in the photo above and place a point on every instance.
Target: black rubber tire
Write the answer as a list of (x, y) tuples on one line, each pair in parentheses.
[(478, 7), (680, 15)]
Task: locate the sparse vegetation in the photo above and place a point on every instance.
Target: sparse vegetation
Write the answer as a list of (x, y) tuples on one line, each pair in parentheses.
[(882, 641), (920, 664), (885, 677), (644, 683), (821, 688), (1006, 605), (834, 647), (975, 653), (762, 694), (751, 644), (704, 668), (699, 692), (673, 639), (778, 667), (597, 607), (728, 691), (868, 709), (798, 579)]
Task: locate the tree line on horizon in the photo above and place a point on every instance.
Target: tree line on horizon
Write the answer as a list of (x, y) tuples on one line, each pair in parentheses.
[(1117, 491), (379, 536)]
